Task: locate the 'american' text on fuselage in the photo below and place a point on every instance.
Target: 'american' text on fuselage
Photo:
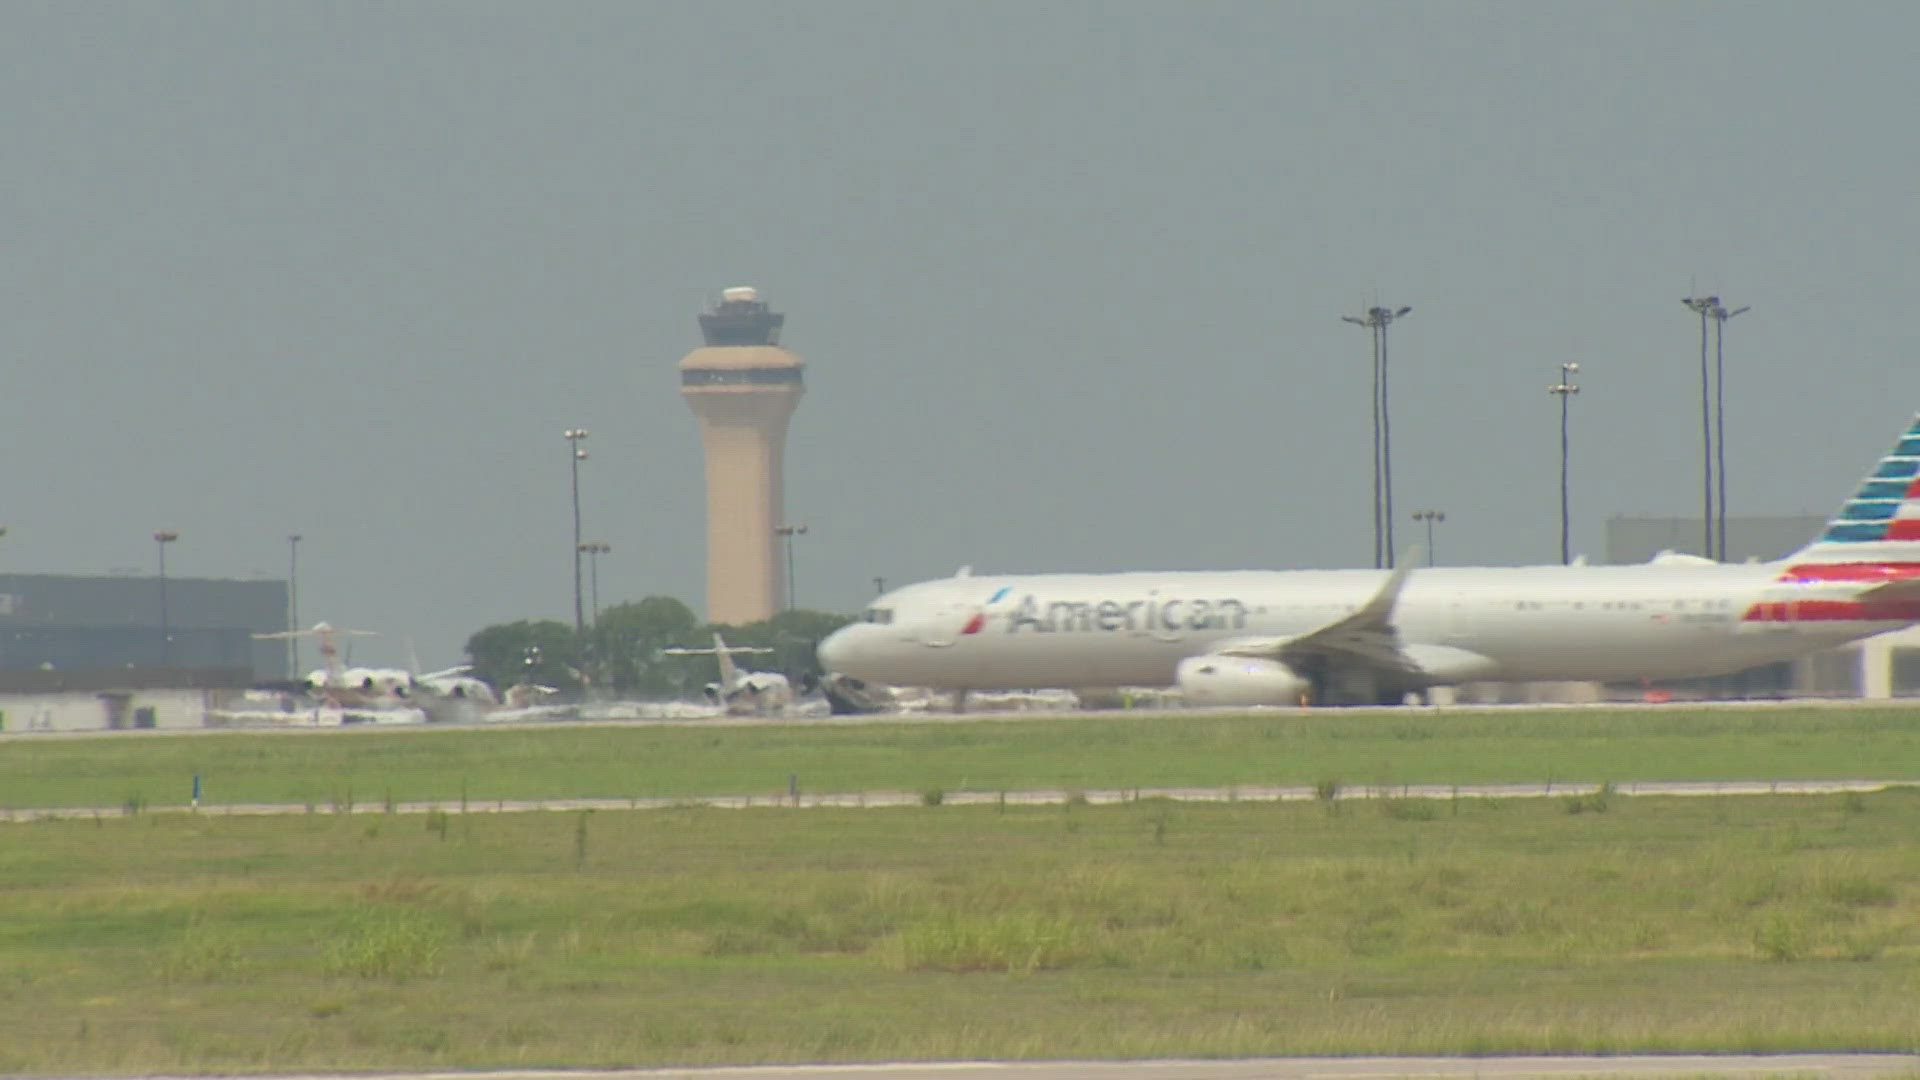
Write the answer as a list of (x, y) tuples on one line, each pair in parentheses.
[(1114, 615)]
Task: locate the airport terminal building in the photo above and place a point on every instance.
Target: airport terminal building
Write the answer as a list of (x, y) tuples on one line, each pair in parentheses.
[(59, 630)]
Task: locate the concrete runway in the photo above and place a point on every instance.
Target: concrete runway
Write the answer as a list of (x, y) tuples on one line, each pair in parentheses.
[(1849, 1066)]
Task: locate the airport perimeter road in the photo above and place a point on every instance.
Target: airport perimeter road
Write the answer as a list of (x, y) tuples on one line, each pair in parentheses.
[(1849, 1066), (875, 800)]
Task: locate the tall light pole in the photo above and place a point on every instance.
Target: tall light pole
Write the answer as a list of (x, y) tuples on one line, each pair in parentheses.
[(1377, 319), (575, 455), (161, 539), (787, 533), (1703, 306), (1430, 517), (594, 549), (293, 605), (1565, 389), (1720, 316)]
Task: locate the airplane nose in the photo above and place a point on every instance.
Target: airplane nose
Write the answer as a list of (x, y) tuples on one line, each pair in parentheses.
[(836, 649)]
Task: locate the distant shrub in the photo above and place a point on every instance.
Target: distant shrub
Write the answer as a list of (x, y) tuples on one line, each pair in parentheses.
[(1596, 801), (1781, 939), (936, 796), (1861, 948), (736, 941), (387, 944), (1374, 933), (1859, 892), (204, 954), (1019, 944), (1409, 809)]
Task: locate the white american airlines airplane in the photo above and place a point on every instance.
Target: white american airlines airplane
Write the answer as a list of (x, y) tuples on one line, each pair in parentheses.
[(1258, 637)]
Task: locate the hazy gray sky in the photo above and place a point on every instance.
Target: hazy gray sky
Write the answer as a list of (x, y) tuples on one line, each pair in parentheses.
[(1068, 278)]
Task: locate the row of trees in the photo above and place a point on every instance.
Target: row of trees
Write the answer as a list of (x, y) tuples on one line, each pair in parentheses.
[(620, 652)]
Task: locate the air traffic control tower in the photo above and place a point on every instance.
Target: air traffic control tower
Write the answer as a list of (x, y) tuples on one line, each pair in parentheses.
[(743, 387)]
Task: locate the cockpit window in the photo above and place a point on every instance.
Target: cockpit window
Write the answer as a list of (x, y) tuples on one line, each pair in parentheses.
[(878, 615)]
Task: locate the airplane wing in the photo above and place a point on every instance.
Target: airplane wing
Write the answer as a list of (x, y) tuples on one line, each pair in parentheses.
[(678, 651), (1368, 635)]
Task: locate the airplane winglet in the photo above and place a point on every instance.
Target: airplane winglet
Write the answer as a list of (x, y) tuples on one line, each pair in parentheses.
[(1904, 589), (1381, 605)]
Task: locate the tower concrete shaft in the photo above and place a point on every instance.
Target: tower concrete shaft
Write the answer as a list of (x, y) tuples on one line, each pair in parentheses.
[(743, 389)]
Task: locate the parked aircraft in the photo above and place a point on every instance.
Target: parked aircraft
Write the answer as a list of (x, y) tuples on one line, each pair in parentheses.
[(1373, 636), (742, 693), (380, 688)]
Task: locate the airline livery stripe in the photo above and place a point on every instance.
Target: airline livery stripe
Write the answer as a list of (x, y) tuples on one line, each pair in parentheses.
[(1897, 468), (1854, 571), (1904, 529), (1834, 611), (1884, 489), (1870, 510), (1856, 532)]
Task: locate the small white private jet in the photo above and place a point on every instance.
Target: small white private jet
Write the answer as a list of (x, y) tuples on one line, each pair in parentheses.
[(380, 688), (742, 693), (1256, 637)]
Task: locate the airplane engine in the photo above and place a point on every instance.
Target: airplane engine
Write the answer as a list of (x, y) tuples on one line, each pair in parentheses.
[(1239, 680)]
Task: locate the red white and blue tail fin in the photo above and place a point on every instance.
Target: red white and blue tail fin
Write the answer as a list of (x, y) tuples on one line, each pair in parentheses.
[(1881, 523), (1866, 567)]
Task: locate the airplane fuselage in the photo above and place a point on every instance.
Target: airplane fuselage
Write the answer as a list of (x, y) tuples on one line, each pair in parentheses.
[(1257, 637), (1520, 623)]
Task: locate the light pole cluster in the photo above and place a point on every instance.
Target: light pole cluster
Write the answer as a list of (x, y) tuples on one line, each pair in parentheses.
[(1564, 389), (161, 539), (593, 549), (293, 605), (1713, 424), (1713, 432), (1377, 319), (576, 455), (787, 533), (1431, 517)]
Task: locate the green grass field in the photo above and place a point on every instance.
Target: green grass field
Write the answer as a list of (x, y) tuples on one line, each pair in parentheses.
[(1105, 751), (174, 942), (136, 942)]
